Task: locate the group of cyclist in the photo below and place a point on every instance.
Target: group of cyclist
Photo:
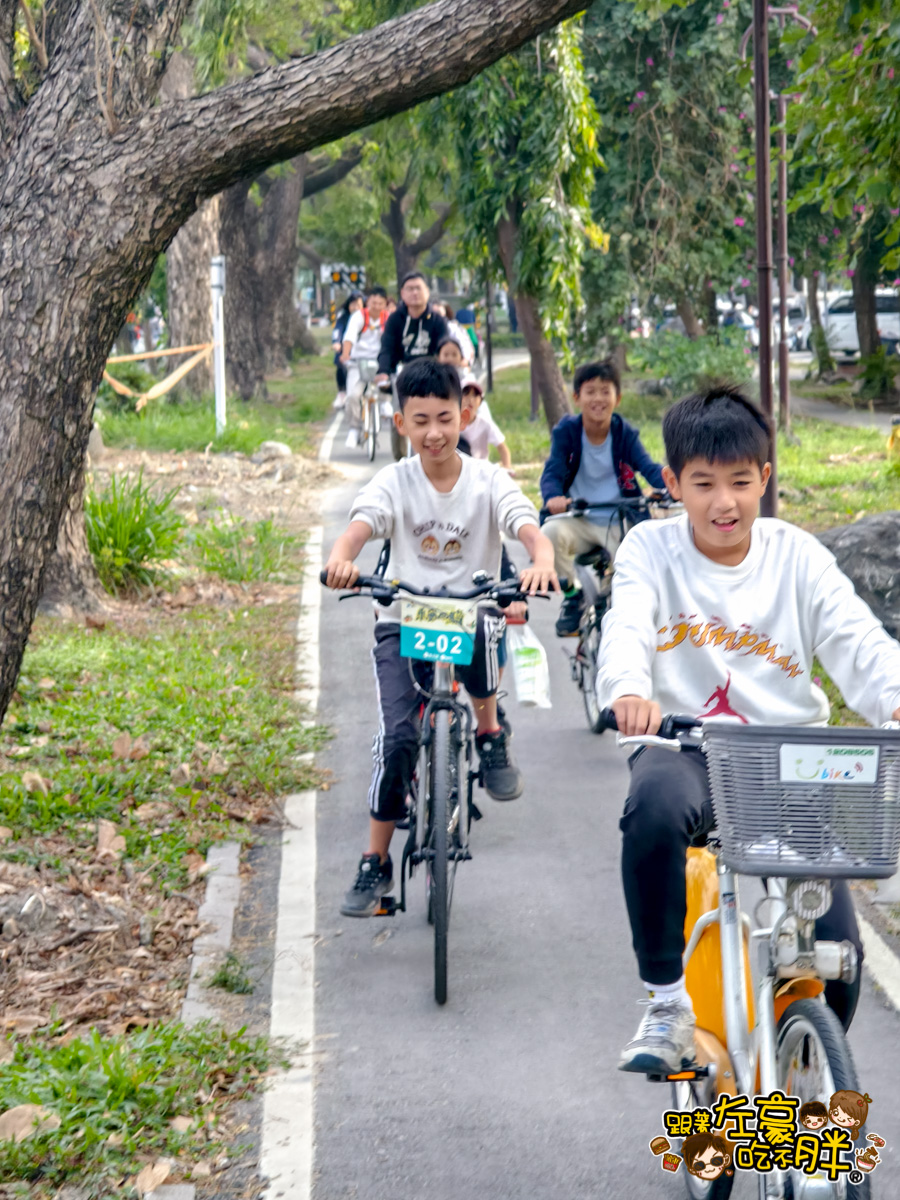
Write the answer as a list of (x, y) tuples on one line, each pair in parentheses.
[(715, 613)]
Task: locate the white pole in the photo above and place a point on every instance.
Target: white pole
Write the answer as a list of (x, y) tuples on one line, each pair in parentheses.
[(217, 287)]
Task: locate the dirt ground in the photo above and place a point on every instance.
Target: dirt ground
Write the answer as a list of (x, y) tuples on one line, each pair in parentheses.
[(281, 488)]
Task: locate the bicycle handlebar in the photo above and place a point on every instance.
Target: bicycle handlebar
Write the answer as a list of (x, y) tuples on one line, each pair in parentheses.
[(505, 592), (671, 725)]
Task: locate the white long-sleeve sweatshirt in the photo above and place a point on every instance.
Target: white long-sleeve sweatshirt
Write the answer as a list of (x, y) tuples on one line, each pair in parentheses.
[(439, 539), (738, 642)]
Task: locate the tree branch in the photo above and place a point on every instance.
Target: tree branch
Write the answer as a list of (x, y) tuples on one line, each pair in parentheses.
[(38, 46), (318, 179), (433, 233), (243, 128), (312, 256), (10, 100)]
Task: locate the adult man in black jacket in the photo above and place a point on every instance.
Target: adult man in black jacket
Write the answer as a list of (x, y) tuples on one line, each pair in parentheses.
[(413, 330)]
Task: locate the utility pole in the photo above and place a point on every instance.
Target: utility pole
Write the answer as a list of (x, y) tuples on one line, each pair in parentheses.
[(769, 504), (217, 287)]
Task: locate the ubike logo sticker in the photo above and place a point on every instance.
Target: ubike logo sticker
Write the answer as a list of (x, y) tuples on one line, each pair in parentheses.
[(828, 764), (773, 1132)]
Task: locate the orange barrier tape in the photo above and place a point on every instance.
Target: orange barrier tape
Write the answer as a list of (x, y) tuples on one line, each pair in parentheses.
[(160, 353), (164, 385)]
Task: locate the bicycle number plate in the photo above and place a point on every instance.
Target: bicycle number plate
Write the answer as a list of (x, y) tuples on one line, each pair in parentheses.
[(438, 631)]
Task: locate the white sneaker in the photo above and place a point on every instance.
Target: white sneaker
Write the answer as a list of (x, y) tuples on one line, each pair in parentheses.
[(352, 439), (340, 400), (664, 1042)]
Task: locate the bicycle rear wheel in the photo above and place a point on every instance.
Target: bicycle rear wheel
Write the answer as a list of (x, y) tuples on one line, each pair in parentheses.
[(442, 750), (686, 1096), (813, 1061), (589, 651)]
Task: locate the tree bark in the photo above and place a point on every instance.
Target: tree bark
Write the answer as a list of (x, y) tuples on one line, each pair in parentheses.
[(95, 181), (812, 301), (685, 310), (864, 281), (548, 376), (71, 584), (407, 253)]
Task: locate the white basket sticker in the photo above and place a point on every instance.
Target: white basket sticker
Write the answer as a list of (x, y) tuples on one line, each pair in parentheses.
[(805, 763)]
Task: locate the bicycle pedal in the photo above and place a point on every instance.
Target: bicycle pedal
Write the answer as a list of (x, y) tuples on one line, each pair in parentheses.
[(691, 1071), (388, 907)]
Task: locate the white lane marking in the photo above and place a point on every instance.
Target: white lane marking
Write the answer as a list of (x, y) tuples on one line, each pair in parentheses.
[(286, 1156), (307, 663), (881, 961), (328, 439), (286, 1152)]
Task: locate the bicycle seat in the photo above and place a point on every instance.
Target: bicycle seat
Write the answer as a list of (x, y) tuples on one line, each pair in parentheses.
[(598, 557)]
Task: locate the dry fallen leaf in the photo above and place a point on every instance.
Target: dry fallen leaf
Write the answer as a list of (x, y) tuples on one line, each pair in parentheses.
[(33, 782), (181, 1124), (46, 684), (152, 1176), (217, 764), (24, 1022), (94, 622), (109, 841), (115, 1139), (5, 833), (181, 774), (121, 745), (151, 811), (196, 865), (25, 1120), (141, 748), (7, 1050), (201, 1170)]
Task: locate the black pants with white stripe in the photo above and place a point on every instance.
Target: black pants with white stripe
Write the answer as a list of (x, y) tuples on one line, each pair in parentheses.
[(396, 743)]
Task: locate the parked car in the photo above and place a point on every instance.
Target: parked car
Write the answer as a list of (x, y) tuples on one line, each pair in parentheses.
[(739, 318), (839, 321), (796, 315)]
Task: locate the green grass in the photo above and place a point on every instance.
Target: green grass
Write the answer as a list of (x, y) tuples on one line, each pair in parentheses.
[(231, 976), (210, 695), (833, 475), (239, 551), (116, 1098), (295, 404), (130, 531)]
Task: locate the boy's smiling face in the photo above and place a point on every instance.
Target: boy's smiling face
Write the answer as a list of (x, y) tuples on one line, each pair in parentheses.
[(722, 502), (597, 399), (433, 427)]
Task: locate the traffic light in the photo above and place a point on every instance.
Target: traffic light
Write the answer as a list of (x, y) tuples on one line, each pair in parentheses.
[(337, 277)]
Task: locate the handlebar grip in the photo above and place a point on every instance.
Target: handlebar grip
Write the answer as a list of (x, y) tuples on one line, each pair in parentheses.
[(323, 577), (608, 719), (671, 725)]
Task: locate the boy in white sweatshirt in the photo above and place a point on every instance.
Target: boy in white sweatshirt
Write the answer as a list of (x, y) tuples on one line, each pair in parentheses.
[(444, 513), (718, 614)]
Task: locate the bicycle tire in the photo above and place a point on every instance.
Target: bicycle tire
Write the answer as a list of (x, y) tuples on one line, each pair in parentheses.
[(589, 649), (806, 1027), (686, 1096), (371, 434), (441, 751)]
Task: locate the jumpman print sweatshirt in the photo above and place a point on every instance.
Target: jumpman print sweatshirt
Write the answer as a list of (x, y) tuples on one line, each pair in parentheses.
[(737, 643)]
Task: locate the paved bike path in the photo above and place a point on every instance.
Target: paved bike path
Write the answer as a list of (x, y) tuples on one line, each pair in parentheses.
[(510, 1091)]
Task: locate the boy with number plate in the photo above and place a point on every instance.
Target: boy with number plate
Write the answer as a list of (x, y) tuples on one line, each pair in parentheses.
[(444, 513), (718, 614)]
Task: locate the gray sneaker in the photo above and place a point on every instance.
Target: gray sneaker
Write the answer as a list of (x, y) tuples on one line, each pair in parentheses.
[(502, 778), (664, 1042), (373, 880)]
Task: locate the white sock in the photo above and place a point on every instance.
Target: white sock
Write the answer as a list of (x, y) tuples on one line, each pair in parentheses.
[(667, 992)]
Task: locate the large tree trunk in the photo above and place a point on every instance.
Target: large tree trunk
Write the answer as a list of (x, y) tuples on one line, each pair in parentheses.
[(71, 584), (95, 183), (812, 301), (685, 310), (244, 354), (864, 281), (548, 376)]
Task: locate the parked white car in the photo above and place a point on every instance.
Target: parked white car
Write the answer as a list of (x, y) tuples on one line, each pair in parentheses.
[(839, 321)]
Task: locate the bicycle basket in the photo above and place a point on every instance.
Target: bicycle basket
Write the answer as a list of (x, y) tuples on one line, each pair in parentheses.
[(806, 802)]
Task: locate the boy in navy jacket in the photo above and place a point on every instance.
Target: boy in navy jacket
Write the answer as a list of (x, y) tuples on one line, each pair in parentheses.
[(593, 457)]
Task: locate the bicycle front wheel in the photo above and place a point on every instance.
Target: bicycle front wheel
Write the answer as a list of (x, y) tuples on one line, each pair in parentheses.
[(813, 1062), (686, 1096), (371, 430), (442, 751), (589, 652)]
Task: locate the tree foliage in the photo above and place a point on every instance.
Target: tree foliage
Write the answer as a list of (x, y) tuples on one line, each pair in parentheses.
[(526, 140)]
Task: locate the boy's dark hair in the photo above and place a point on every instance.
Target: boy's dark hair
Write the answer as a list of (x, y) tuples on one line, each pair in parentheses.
[(813, 1108), (720, 425), (412, 275), (428, 377), (597, 370), (377, 291)]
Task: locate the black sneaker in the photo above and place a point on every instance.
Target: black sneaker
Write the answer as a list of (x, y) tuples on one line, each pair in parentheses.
[(570, 615), (373, 879), (502, 778)]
